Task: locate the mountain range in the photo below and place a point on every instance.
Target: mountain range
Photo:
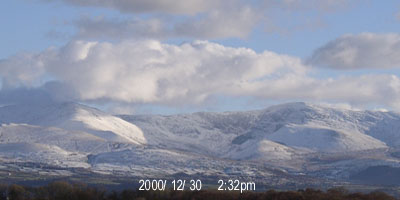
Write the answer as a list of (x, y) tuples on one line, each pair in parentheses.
[(277, 145)]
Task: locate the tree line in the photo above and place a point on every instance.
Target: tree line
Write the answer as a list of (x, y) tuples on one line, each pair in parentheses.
[(66, 191)]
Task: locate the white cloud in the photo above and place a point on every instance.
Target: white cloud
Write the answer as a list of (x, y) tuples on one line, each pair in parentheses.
[(23, 69), (152, 72), (149, 71), (135, 72), (381, 89), (365, 50)]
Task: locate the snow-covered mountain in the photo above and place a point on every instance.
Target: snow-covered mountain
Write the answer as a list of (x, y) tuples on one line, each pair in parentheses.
[(295, 137), (74, 117), (274, 133)]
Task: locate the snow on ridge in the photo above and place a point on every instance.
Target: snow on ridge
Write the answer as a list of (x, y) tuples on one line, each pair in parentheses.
[(325, 139), (281, 133), (295, 125), (104, 122), (74, 117)]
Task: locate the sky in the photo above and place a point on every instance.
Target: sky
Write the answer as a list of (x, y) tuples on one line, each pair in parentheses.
[(158, 56)]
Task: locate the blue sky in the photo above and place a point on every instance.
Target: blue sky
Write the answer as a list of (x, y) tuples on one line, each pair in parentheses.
[(27, 25), (339, 36)]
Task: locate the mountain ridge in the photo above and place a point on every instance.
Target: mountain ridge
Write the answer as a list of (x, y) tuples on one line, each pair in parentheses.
[(295, 137)]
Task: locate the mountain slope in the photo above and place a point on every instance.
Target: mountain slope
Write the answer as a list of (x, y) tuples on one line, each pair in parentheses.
[(74, 117), (293, 128), (297, 137)]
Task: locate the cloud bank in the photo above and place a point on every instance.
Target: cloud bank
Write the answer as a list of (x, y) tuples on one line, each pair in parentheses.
[(148, 71), (361, 51)]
